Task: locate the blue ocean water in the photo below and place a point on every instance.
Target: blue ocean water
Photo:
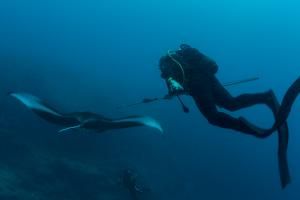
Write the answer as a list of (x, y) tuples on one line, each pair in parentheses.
[(98, 55)]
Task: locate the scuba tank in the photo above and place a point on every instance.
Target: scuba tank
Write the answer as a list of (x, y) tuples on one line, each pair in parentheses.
[(195, 61)]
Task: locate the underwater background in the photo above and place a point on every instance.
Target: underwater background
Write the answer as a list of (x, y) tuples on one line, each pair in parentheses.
[(99, 55)]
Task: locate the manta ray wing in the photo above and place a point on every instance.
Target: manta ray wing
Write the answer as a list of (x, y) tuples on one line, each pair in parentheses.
[(133, 121), (43, 110)]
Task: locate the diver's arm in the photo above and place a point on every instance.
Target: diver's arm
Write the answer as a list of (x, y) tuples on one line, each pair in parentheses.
[(174, 90), (171, 78), (174, 87), (168, 96)]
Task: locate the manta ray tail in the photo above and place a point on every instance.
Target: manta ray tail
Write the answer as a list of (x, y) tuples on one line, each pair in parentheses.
[(69, 128)]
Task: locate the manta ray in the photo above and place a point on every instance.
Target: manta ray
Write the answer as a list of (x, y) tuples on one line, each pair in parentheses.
[(82, 120)]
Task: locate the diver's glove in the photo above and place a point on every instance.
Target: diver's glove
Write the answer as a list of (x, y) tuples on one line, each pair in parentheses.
[(175, 88)]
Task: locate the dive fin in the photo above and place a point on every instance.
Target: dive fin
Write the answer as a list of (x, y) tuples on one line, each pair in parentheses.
[(283, 137), (284, 172)]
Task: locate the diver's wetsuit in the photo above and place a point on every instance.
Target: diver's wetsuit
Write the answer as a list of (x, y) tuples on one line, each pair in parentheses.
[(196, 73), (200, 82), (209, 94)]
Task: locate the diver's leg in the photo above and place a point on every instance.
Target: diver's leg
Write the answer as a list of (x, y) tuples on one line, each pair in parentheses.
[(203, 93), (223, 120), (245, 100), (225, 100), (283, 138)]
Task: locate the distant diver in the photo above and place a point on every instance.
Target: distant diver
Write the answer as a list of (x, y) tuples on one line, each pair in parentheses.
[(187, 71), (82, 120), (129, 181)]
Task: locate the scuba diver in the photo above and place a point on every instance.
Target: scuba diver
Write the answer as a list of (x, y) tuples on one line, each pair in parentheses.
[(187, 71), (129, 180)]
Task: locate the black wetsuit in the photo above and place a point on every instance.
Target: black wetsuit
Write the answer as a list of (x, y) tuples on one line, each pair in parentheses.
[(201, 83)]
